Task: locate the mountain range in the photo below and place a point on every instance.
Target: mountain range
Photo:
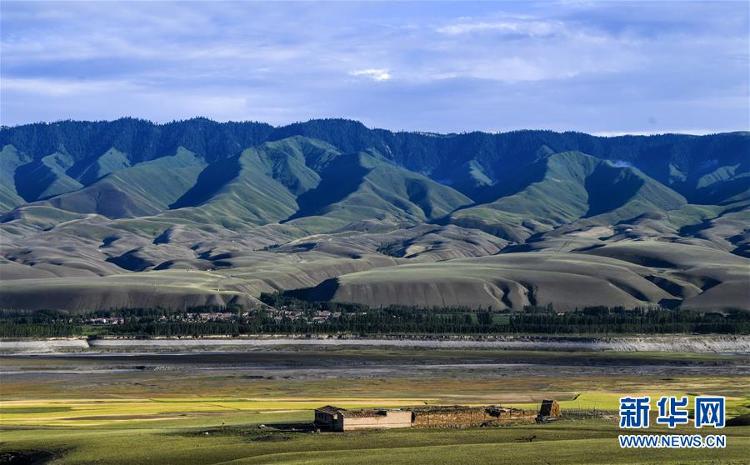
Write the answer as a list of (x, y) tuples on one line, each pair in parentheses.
[(129, 213)]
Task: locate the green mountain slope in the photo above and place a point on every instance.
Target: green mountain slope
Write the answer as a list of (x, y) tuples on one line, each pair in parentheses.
[(365, 185), (565, 187), (111, 161), (257, 187), (96, 213), (45, 177), (10, 159), (145, 189)]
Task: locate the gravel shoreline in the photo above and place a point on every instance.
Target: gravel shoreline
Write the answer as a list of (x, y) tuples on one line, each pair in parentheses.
[(676, 343)]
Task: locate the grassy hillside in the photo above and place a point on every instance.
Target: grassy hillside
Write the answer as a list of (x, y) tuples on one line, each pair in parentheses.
[(469, 162), (10, 159), (565, 187), (86, 204), (145, 189), (362, 186), (45, 177)]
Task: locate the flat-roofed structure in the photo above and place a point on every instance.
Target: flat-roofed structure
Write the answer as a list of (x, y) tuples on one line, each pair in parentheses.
[(339, 419)]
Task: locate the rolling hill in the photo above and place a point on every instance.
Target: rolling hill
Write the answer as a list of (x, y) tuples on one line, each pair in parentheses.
[(566, 187), (129, 213)]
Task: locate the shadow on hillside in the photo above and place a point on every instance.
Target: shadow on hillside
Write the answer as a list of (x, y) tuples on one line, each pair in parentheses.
[(340, 179), (211, 180), (320, 293)]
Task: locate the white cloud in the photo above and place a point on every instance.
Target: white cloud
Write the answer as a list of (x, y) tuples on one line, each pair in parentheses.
[(510, 69), (376, 74), (526, 27)]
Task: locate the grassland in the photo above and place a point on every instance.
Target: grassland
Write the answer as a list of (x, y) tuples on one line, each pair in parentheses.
[(563, 443), (207, 409)]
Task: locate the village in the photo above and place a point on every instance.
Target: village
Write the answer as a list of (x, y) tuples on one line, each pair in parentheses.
[(278, 315)]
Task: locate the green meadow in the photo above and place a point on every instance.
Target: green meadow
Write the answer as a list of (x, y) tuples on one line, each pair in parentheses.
[(182, 414)]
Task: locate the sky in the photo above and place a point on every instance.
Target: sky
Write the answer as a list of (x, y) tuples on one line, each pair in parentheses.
[(600, 67)]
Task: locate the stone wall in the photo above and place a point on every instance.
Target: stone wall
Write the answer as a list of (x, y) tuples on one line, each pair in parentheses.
[(466, 417)]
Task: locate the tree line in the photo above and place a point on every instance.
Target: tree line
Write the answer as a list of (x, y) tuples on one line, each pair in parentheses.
[(287, 315)]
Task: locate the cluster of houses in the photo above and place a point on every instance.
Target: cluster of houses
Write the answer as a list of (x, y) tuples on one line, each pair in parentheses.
[(318, 316), (113, 320), (209, 316), (340, 419)]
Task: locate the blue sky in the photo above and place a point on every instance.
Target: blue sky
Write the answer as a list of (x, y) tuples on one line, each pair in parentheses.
[(600, 67)]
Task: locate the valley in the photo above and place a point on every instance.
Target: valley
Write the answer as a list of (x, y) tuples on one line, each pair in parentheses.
[(131, 214), (250, 405)]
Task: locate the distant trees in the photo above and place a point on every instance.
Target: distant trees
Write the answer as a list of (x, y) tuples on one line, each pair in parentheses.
[(286, 315), (12, 329)]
